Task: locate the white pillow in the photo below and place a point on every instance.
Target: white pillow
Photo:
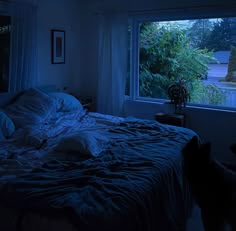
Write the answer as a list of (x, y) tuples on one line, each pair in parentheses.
[(32, 107), (89, 143), (66, 102), (7, 127)]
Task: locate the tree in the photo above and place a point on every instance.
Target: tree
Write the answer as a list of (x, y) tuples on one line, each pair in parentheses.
[(222, 35), (213, 34), (199, 32), (167, 56), (231, 75)]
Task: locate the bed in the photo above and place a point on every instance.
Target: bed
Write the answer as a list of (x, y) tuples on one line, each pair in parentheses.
[(63, 168)]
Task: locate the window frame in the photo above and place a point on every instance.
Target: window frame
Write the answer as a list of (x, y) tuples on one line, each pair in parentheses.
[(168, 15)]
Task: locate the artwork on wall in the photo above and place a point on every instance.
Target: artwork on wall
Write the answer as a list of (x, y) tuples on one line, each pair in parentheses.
[(58, 46)]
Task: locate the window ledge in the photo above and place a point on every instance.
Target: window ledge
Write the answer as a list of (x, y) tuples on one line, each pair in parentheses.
[(163, 102)]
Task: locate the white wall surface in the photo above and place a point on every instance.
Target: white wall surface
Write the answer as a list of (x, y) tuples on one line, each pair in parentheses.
[(219, 127), (140, 5), (88, 53), (62, 15)]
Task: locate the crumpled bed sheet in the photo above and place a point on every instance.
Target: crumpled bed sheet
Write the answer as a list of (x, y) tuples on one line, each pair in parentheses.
[(136, 184)]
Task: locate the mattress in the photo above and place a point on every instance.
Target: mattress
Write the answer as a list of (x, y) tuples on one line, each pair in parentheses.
[(135, 183)]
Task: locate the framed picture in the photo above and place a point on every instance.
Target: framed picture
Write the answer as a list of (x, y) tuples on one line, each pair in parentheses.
[(58, 46)]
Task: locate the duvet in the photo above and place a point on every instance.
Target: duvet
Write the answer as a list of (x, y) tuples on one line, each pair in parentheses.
[(98, 173)]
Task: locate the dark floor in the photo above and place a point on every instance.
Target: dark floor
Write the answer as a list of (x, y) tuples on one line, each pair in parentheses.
[(195, 223)]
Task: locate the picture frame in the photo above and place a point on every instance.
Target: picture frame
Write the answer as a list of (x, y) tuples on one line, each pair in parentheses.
[(58, 46)]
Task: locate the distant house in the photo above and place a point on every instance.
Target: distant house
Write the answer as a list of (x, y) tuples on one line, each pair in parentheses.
[(219, 66), (222, 57)]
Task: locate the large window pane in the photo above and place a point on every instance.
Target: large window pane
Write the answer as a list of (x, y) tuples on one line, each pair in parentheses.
[(201, 52), (5, 28)]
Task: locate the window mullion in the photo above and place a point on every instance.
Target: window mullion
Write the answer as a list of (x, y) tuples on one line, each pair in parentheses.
[(134, 56)]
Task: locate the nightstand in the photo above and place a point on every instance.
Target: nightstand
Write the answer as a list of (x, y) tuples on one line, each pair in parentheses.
[(88, 106), (171, 119), (86, 101)]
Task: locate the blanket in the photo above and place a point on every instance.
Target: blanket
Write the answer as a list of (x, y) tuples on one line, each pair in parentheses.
[(137, 183)]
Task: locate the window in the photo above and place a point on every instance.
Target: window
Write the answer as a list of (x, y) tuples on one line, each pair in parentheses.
[(5, 30), (199, 52)]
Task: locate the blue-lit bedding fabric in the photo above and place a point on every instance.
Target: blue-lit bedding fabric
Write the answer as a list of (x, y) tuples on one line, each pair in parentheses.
[(137, 184)]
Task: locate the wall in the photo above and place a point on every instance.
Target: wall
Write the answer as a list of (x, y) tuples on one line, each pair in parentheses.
[(219, 127), (88, 52), (63, 15), (150, 5)]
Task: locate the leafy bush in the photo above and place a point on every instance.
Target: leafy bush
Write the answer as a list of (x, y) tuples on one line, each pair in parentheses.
[(206, 93), (166, 56), (153, 85)]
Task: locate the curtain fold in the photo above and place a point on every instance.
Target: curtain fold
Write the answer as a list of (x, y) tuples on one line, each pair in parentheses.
[(112, 62), (4, 8), (23, 58)]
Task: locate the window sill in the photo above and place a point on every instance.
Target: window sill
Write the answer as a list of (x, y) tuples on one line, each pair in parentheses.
[(163, 104)]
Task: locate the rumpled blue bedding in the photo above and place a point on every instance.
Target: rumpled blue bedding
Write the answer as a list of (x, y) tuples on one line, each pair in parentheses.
[(136, 184)]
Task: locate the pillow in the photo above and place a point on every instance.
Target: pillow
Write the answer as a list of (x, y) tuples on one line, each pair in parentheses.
[(66, 102), (7, 127), (32, 107), (89, 143)]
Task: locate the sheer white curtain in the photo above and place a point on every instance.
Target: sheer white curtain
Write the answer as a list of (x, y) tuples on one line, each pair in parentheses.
[(112, 63), (23, 73)]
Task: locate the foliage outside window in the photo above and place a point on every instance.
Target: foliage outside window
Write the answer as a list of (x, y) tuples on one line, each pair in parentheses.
[(200, 52)]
